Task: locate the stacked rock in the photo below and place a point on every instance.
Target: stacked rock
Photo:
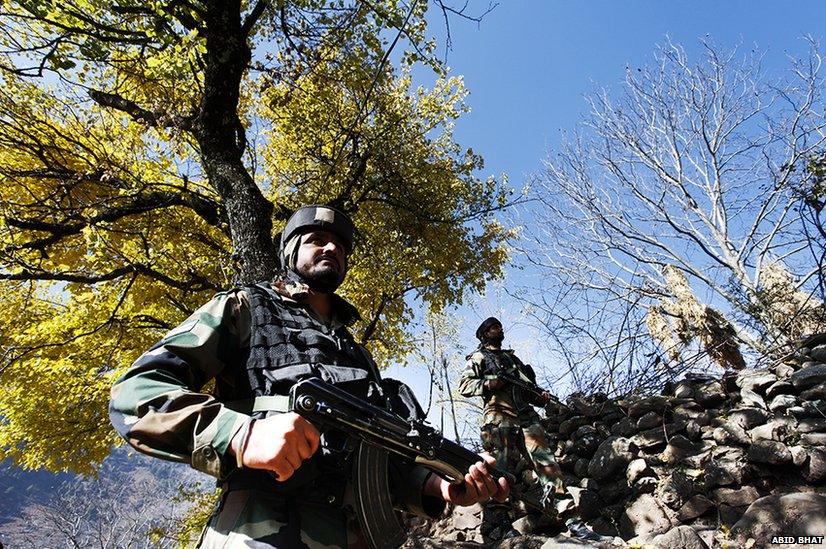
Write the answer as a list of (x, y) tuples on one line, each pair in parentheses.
[(699, 455), (712, 462)]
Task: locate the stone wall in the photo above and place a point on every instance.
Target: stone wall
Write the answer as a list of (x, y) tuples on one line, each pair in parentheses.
[(732, 458)]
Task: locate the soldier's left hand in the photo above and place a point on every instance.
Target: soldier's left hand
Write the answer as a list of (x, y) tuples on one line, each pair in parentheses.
[(546, 397), (478, 486)]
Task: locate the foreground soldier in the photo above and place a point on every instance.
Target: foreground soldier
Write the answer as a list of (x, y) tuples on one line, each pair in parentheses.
[(283, 483), (512, 432)]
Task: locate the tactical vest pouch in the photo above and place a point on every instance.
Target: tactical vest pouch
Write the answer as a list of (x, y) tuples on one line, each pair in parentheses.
[(401, 400)]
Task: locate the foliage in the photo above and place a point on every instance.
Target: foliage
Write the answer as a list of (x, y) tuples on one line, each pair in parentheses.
[(200, 505), (690, 320), (689, 172), (150, 151), (812, 195)]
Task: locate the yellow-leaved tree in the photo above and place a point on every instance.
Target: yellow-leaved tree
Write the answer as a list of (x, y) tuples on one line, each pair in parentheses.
[(150, 151)]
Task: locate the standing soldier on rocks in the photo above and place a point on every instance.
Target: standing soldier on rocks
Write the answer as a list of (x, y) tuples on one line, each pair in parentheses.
[(512, 432), (284, 484)]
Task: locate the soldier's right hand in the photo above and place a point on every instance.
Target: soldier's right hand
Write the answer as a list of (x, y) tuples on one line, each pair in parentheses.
[(494, 384), (279, 443)]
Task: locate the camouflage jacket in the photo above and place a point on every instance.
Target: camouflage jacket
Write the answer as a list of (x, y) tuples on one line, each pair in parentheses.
[(158, 405), (509, 402)]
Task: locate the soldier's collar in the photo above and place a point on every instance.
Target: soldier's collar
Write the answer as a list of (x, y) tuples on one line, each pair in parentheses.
[(298, 292), (486, 348)]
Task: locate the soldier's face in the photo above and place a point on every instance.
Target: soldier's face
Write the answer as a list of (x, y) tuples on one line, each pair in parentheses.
[(495, 333), (322, 257)]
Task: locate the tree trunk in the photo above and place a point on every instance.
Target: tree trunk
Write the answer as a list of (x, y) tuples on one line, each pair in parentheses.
[(222, 141)]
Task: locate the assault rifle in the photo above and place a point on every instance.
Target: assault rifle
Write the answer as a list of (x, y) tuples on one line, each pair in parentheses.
[(521, 383), (379, 432)]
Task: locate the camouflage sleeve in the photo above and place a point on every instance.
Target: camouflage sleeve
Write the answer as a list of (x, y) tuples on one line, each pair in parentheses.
[(472, 382), (407, 482), (156, 405)]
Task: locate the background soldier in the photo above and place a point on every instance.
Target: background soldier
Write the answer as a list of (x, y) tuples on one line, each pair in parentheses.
[(283, 483), (512, 432)]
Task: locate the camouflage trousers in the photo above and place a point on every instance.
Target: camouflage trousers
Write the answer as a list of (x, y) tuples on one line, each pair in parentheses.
[(524, 452), (255, 519)]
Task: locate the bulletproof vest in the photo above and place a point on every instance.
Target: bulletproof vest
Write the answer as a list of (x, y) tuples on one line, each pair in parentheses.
[(507, 363), (498, 362), (288, 344)]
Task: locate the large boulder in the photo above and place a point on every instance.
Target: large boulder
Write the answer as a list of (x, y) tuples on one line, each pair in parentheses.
[(681, 537), (809, 376), (755, 380), (638, 469), (640, 406), (779, 388), (731, 433), (782, 402), (751, 399), (695, 507), (658, 435), (646, 515), (818, 392), (676, 489), (611, 457), (769, 451), (797, 514), (649, 421), (818, 353), (678, 448), (736, 497), (747, 416), (725, 471), (776, 429), (710, 394)]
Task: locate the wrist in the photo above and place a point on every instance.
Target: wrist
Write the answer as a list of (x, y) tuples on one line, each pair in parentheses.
[(240, 441), (435, 486)]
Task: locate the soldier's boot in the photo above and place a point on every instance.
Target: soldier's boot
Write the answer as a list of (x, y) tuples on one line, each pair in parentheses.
[(579, 530)]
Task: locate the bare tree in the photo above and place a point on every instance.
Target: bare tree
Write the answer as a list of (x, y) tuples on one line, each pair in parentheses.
[(440, 350), (671, 208), (122, 507)]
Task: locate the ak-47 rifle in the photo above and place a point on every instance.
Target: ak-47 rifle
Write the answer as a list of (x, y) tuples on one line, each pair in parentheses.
[(522, 384), (379, 432)]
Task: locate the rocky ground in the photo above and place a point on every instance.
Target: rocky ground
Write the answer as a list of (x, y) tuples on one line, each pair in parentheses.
[(712, 462)]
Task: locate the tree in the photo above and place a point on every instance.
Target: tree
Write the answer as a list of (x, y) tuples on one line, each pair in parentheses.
[(673, 205), (812, 195), (127, 505), (150, 151)]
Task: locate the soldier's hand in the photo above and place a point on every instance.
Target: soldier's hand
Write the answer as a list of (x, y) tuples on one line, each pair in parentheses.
[(279, 444), (545, 397), (494, 384), (478, 485)]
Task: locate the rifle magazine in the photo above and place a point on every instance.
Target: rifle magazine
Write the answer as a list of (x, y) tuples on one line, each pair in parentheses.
[(380, 523)]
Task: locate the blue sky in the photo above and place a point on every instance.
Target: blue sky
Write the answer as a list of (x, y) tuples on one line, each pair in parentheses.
[(529, 64)]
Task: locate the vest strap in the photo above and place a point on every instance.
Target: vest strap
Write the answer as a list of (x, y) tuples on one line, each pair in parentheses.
[(274, 403)]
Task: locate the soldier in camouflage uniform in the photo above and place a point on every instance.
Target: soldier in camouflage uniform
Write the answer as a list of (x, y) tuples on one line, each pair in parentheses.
[(512, 432), (283, 483)]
